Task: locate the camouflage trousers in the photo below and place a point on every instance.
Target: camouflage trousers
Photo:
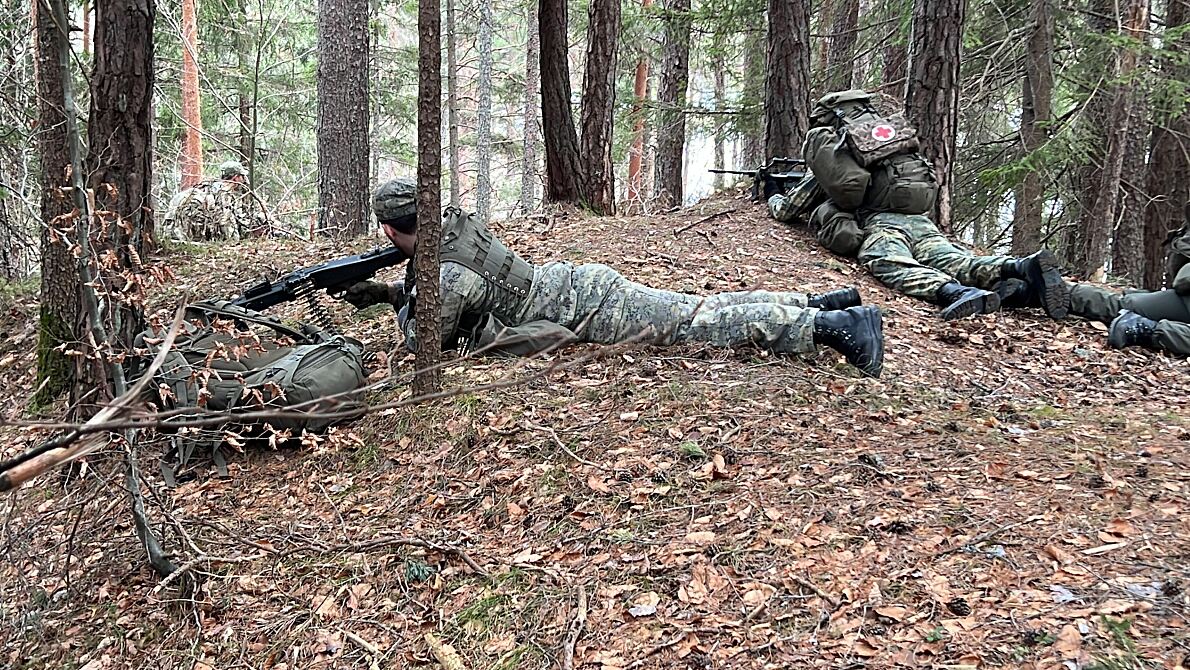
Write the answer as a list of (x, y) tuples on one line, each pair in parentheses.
[(908, 253), (602, 306), (1170, 310)]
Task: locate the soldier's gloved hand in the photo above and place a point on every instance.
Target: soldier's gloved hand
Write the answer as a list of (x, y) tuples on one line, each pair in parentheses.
[(364, 294)]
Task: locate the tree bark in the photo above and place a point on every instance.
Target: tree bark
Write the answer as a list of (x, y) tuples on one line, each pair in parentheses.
[(120, 155), (483, 130), (599, 100), (428, 308), (840, 58), (720, 147), (1128, 241), (191, 102), (787, 81), (1037, 90), (637, 151), (563, 169), (671, 104), (452, 104), (343, 147), (932, 94), (1097, 221), (58, 321), (1169, 148), (532, 128)]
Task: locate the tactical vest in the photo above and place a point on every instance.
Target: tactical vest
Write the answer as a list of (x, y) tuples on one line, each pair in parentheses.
[(469, 243)]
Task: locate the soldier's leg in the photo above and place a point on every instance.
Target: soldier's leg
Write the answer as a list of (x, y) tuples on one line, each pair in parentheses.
[(777, 327), (888, 255), (718, 300), (932, 248), (1092, 302), (1173, 337), (1158, 305), (610, 308)]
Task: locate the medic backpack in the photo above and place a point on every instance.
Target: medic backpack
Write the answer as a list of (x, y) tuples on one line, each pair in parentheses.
[(220, 363), (870, 135)]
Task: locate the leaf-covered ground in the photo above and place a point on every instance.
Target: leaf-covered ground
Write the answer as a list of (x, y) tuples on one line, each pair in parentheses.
[(1012, 493)]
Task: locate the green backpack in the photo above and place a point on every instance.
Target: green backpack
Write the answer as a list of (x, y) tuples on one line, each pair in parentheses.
[(221, 364), (870, 135), (838, 174)]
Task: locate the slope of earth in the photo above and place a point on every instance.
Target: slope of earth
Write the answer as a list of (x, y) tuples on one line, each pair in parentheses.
[(1012, 493)]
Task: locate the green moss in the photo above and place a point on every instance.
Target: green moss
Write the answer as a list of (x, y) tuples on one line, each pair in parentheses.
[(53, 365)]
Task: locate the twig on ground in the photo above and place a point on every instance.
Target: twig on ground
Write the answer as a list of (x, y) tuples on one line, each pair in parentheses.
[(190, 565), (368, 648), (576, 629), (979, 539), (558, 441), (679, 231), (809, 586), (382, 542)]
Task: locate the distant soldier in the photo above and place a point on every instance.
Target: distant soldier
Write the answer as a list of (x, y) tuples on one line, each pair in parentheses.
[(216, 209), (870, 195), (490, 295)]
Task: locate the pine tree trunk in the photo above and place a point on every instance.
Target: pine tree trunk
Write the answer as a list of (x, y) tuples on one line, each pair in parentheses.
[(1037, 90), (932, 94), (529, 176), (452, 104), (648, 168), (120, 149), (59, 297), (1097, 221), (483, 129), (750, 121), (86, 27), (599, 100), (840, 59), (563, 168), (428, 308), (247, 88), (637, 151), (671, 104), (1128, 242), (1169, 148), (720, 103), (191, 104), (343, 148), (787, 80)]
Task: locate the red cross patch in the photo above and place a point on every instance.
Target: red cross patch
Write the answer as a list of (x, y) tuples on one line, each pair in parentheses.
[(884, 132)]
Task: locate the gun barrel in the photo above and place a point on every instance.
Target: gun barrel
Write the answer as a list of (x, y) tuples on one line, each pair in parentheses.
[(749, 173)]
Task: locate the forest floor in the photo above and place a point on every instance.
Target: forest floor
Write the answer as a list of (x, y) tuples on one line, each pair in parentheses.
[(1012, 493)]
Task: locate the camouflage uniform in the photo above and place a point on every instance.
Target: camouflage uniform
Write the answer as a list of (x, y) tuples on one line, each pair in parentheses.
[(213, 210), (907, 252), (597, 303)]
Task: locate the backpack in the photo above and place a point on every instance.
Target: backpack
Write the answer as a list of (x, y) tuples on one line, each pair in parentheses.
[(904, 184), (838, 174), (870, 135), (219, 363)]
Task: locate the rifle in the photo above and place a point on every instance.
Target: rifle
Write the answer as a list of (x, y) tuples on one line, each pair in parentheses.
[(336, 276), (775, 177)]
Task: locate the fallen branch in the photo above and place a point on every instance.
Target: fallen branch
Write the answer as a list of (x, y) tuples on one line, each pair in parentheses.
[(558, 441), (446, 654), (809, 586), (194, 562), (704, 219), (576, 629), (380, 543)]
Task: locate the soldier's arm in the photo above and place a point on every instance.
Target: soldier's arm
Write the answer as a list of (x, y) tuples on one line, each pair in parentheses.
[(459, 289)]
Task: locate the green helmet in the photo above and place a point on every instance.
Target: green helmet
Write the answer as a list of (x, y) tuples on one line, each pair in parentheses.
[(394, 199), (232, 168)]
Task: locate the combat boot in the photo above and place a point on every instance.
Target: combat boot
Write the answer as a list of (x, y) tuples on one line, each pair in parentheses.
[(855, 332), (838, 299), (1130, 329), (959, 301), (1043, 274), (1014, 294)]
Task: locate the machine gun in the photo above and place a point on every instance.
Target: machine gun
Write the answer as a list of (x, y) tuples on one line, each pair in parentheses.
[(336, 276), (775, 177)]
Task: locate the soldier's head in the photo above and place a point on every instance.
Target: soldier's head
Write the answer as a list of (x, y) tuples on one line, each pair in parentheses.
[(234, 172), (395, 205)]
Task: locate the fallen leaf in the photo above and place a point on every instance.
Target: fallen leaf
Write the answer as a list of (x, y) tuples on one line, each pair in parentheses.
[(1069, 642), (1103, 549), (598, 485), (702, 537), (894, 612)]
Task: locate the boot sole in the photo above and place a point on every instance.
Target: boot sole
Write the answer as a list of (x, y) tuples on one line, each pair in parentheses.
[(1055, 294), (984, 304), (875, 322)]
